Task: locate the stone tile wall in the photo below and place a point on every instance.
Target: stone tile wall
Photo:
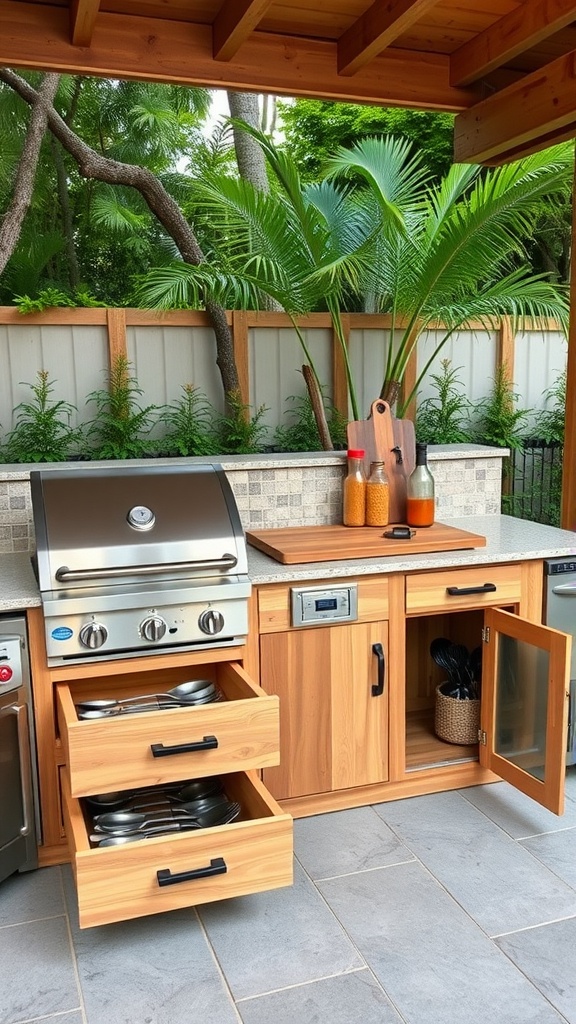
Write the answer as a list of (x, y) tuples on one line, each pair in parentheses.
[(294, 492)]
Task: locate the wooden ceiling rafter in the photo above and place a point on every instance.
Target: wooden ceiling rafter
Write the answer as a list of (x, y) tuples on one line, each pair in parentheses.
[(540, 106), (235, 21), (375, 30), (518, 31), (83, 15), (134, 46)]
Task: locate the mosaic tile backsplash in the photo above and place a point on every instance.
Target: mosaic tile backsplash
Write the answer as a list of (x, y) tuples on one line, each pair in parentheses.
[(292, 493)]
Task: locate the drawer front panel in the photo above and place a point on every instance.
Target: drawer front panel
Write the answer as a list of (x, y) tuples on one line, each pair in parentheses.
[(247, 856), (458, 589), (274, 615), (135, 750)]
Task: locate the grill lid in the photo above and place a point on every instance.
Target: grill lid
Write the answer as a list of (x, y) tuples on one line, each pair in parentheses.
[(104, 526)]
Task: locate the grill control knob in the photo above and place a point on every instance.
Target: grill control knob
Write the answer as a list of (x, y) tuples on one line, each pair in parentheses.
[(153, 628), (211, 622), (93, 635)]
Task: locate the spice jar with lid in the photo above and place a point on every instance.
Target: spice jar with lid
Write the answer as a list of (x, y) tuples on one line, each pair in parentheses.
[(377, 496), (420, 491), (354, 490)]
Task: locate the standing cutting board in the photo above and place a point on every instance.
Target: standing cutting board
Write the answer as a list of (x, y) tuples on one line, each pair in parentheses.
[(391, 441), (293, 544)]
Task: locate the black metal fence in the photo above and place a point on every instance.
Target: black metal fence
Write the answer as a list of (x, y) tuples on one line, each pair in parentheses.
[(532, 481)]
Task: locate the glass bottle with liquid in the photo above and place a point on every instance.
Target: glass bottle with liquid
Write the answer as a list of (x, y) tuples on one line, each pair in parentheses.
[(377, 496), (354, 490), (420, 491)]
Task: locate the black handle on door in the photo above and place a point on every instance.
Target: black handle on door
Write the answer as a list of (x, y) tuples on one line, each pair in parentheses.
[(485, 588), (378, 689), (207, 743), (217, 866)]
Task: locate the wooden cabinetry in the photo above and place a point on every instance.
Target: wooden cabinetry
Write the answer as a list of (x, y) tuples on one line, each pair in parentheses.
[(332, 686), (343, 747), (234, 738)]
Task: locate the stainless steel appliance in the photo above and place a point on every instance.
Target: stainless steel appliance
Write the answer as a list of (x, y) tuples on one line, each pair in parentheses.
[(139, 560), (560, 613), (19, 830)]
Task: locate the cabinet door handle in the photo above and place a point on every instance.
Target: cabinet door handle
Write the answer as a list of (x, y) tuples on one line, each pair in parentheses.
[(217, 866), (207, 743), (378, 689), (484, 588)]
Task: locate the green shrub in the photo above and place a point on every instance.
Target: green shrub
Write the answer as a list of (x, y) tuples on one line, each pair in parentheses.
[(191, 425), (445, 417), (302, 434), (120, 428), (42, 432)]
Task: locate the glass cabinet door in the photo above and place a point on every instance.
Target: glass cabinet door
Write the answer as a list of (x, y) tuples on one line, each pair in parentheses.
[(526, 690)]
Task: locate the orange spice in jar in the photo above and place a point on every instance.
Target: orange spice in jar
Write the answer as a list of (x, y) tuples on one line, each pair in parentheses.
[(377, 496), (354, 490)]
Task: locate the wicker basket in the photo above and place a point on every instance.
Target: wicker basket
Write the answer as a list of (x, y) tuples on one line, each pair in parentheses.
[(456, 721)]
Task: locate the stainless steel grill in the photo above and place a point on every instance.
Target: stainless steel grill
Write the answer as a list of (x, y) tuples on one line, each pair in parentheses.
[(139, 560)]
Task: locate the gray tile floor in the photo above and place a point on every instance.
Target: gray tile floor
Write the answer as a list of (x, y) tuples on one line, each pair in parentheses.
[(445, 909)]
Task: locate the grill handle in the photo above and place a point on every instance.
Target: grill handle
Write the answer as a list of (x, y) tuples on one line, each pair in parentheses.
[(66, 575), (207, 743)]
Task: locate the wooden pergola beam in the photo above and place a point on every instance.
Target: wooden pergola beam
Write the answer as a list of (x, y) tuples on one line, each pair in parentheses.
[(568, 510), (376, 29), (82, 20), (233, 24), (518, 31), (133, 46), (543, 104)]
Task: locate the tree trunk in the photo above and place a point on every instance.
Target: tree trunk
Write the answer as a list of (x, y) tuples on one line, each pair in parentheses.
[(318, 408), (13, 219), (390, 391), (250, 159), (66, 214), (92, 165)]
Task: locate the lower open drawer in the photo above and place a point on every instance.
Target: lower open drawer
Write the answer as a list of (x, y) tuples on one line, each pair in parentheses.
[(252, 854)]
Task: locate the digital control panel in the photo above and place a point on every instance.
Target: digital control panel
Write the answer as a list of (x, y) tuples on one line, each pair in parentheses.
[(317, 606)]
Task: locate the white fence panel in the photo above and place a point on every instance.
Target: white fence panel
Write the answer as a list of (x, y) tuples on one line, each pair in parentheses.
[(275, 360), (368, 349), (163, 359), (471, 353), (540, 358), (74, 357)]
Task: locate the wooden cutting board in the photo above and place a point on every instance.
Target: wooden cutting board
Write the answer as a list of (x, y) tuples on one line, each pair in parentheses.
[(293, 544), (391, 441)]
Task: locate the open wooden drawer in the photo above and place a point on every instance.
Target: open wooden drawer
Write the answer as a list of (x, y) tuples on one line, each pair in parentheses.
[(133, 750), (249, 855)]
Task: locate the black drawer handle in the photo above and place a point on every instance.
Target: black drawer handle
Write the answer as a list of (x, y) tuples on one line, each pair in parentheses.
[(217, 866), (208, 743), (378, 689), (486, 588)]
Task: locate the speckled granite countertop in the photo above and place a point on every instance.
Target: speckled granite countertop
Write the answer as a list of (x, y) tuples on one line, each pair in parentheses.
[(18, 587), (508, 540)]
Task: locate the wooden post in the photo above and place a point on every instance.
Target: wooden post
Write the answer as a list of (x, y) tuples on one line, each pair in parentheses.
[(339, 382), (568, 513), (116, 323), (240, 344), (505, 354)]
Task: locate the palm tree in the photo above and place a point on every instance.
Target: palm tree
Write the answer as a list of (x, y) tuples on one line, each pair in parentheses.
[(305, 246), (459, 253), (449, 253)]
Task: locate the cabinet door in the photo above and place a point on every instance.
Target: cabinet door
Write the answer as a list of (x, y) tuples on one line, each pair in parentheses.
[(333, 712), (526, 691)]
